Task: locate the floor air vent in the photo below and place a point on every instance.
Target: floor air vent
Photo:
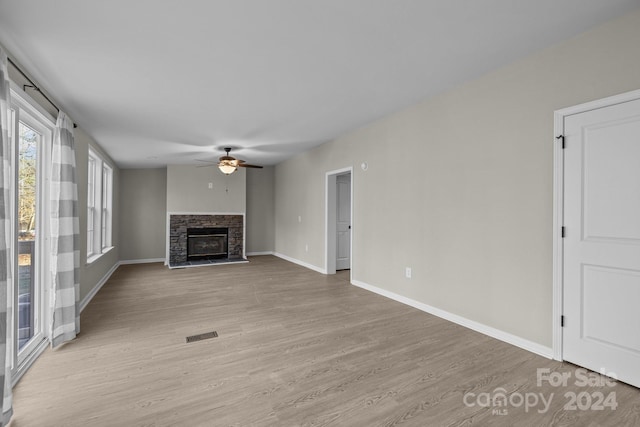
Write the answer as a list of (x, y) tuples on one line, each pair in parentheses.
[(200, 337)]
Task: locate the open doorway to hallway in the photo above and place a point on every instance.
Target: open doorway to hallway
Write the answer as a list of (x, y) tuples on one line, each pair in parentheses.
[(339, 208)]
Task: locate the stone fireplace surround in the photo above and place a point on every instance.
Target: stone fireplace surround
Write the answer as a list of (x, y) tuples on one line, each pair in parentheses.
[(179, 223)]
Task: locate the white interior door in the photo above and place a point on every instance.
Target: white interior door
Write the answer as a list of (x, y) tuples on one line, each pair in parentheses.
[(601, 286), (343, 222)]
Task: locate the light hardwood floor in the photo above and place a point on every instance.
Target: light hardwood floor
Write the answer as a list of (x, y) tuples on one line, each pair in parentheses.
[(295, 348)]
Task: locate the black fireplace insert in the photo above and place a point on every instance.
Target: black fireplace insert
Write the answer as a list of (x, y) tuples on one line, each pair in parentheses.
[(207, 243)]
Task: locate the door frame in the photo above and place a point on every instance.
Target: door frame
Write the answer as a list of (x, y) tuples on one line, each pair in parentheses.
[(330, 220), (558, 204), (42, 121)]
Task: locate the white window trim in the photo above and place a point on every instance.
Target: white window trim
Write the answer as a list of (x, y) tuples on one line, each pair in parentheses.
[(97, 244)]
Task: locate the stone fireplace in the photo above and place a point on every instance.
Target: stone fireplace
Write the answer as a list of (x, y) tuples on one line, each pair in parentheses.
[(196, 239)]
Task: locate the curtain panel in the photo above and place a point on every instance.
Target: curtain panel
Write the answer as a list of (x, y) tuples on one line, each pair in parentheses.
[(5, 233), (65, 235)]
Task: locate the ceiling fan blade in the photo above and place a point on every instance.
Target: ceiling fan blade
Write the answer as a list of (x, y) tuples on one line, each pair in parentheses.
[(207, 161), (246, 165)]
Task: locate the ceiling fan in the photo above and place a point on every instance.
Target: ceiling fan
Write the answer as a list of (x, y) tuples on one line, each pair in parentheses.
[(229, 165)]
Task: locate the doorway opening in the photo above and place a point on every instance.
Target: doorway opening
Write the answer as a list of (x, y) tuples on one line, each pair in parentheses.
[(339, 220)]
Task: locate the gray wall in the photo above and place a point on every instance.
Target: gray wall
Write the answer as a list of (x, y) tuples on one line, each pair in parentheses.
[(188, 190), (143, 213), (459, 187), (260, 210), (145, 195)]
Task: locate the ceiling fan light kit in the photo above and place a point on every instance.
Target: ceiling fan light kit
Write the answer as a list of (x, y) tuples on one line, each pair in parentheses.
[(227, 168)]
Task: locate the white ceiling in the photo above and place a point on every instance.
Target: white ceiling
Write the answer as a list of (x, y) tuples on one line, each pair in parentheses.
[(158, 82)]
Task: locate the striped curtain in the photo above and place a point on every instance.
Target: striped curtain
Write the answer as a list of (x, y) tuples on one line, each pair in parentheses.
[(5, 233), (65, 235)]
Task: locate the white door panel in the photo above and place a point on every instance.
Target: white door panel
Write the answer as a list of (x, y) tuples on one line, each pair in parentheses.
[(601, 286), (610, 212)]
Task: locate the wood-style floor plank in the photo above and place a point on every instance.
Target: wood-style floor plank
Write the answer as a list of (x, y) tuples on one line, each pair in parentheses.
[(295, 348)]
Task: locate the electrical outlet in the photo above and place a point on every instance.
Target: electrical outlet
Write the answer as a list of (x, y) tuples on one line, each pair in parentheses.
[(407, 272), (299, 218), (306, 248), (211, 186)]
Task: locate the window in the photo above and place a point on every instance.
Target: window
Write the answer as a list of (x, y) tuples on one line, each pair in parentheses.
[(30, 131), (99, 206)]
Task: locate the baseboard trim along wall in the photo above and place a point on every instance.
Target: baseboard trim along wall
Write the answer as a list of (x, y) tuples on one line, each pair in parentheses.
[(87, 299), (259, 253), (462, 321), (141, 261), (301, 263)]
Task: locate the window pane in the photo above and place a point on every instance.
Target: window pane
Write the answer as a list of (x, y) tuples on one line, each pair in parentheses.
[(90, 182), (90, 231), (107, 179), (92, 192), (104, 228), (27, 198)]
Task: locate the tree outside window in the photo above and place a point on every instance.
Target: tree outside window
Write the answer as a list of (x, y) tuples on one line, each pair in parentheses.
[(27, 183)]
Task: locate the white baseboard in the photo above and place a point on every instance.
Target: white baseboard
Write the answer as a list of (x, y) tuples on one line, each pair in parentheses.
[(462, 321), (302, 263), (85, 301), (259, 253), (141, 261)]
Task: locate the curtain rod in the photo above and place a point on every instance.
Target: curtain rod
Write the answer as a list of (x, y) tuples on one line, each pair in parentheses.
[(34, 86)]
